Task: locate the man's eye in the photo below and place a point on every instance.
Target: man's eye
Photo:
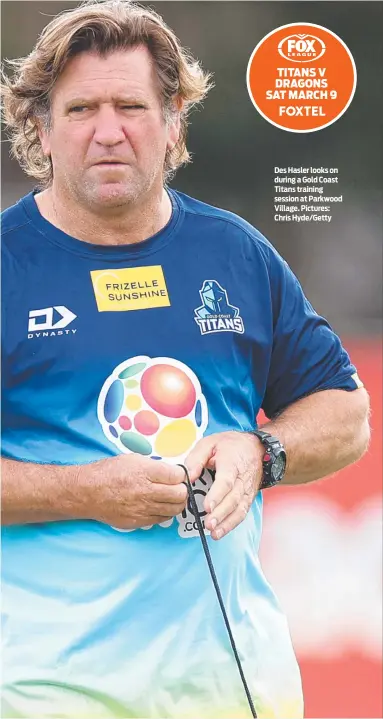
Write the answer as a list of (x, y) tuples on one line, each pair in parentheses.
[(133, 107), (78, 109)]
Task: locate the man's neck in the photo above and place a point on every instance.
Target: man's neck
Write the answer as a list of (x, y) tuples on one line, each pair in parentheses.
[(121, 226)]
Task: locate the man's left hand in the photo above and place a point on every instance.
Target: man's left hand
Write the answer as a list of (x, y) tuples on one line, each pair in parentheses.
[(236, 458)]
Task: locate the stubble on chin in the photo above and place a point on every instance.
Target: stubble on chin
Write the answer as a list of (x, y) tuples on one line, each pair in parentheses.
[(98, 196), (107, 195)]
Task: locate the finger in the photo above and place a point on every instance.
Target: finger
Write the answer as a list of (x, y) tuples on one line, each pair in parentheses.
[(228, 505), (230, 522), (226, 472), (200, 456), (172, 494), (171, 510), (141, 523), (157, 519), (164, 509), (164, 473)]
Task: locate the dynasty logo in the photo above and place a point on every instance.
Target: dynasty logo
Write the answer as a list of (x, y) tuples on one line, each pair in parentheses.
[(50, 322), (216, 314)]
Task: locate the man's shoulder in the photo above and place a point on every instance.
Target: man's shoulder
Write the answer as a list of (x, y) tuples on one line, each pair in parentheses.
[(227, 220), (13, 218)]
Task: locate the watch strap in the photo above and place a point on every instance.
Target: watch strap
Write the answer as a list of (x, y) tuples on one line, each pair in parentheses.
[(270, 444)]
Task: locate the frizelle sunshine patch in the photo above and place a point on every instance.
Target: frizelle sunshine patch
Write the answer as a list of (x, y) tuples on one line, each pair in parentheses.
[(133, 288)]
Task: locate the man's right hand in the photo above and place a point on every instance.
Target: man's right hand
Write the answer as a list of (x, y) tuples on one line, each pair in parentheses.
[(131, 491)]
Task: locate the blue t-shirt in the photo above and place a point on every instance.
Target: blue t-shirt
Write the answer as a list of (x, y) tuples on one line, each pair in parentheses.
[(145, 348)]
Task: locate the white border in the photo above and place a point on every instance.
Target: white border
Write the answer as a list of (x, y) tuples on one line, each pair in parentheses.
[(152, 361), (294, 24)]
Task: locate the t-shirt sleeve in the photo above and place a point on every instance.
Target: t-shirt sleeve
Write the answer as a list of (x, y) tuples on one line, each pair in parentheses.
[(307, 355)]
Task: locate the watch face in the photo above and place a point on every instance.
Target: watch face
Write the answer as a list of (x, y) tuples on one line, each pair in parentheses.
[(278, 467)]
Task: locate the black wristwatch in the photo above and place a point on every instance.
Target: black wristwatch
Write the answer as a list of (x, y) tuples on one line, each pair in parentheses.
[(274, 459)]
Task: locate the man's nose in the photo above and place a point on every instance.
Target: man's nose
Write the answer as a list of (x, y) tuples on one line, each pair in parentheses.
[(108, 127)]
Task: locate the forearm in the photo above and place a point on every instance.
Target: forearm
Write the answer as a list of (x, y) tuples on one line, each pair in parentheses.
[(322, 433), (40, 492), (125, 491)]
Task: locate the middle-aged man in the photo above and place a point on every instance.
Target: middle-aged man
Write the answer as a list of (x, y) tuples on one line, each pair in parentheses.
[(143, 328)]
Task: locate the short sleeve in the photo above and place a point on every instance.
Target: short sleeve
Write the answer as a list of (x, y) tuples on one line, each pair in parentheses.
[(307, 355)]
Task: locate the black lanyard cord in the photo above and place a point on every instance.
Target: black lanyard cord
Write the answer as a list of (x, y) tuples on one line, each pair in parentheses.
[(216, 587)]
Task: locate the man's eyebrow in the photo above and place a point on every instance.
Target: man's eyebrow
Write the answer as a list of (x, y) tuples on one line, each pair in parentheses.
[(94, 100)]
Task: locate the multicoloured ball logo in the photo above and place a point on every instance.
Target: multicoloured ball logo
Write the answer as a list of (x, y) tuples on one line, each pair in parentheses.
[(154, 407)]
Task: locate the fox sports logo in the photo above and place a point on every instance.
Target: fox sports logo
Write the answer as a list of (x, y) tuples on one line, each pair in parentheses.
[(301, 48)]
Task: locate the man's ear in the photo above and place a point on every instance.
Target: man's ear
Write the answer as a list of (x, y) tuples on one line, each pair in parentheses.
[(44, 137), (175, 124)]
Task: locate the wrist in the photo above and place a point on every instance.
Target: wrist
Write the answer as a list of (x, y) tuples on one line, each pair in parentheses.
[(273, 458), (82, 488)]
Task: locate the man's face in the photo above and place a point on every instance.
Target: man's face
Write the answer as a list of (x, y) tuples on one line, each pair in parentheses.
[(107, 109)]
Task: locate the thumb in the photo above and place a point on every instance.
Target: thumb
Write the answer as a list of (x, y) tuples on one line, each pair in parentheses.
[(164, 473), (200, 456)]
